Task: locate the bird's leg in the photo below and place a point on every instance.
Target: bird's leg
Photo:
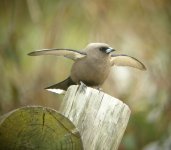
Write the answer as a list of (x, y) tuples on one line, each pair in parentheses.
[(83, 89), (99, 88)]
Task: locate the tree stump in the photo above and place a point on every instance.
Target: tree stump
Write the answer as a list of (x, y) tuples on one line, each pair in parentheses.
[(38, 128), (100, 118)]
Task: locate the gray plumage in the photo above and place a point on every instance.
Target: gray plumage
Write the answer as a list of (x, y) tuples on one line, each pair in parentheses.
[(92, 65)]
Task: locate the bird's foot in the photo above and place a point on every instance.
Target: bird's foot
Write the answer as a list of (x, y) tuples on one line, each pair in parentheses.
[(99, 88), (83, 87)]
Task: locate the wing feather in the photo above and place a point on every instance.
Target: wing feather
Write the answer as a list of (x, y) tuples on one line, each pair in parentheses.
[(125, 60), (69, 53)]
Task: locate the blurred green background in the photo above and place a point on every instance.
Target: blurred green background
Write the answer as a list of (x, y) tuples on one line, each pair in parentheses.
[(139, 28)]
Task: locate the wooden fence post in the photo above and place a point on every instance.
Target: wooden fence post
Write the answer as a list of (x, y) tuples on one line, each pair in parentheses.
[(100, 118)]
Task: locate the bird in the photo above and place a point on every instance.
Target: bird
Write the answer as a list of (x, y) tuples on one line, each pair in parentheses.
[(91, 65)]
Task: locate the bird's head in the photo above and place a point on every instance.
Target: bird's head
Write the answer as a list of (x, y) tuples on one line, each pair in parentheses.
[(100, 48)]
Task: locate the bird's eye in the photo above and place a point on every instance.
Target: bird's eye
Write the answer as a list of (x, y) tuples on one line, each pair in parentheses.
[(103, 49)]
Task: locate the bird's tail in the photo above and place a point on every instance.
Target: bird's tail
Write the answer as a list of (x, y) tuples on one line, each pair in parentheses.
[(61, 87)]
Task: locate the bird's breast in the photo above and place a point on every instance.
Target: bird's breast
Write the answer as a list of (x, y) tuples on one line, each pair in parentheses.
[(90, 72)]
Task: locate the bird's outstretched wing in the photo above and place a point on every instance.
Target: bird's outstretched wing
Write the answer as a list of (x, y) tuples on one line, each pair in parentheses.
[(69, 53), (125, 60)]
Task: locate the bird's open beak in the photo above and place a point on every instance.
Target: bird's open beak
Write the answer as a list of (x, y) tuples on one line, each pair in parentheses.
[(109, 50)]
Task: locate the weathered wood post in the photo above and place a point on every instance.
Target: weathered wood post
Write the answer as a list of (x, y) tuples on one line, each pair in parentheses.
[(37, 128), (100, 118)]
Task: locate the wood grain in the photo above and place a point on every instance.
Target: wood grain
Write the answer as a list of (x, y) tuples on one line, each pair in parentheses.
[(100, 118)]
